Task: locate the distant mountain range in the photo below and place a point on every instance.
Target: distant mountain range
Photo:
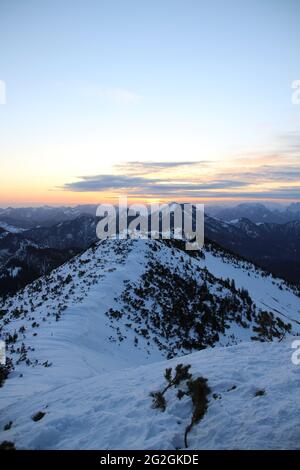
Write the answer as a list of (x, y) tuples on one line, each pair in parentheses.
[(257, 213), (273, 246), (44, 216), (28, 254), (54, 235)]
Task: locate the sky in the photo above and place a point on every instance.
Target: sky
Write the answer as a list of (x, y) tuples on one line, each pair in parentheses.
[(158, 100)]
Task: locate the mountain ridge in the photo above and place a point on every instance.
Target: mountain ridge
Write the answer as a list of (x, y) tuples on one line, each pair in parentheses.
[(120, 306)]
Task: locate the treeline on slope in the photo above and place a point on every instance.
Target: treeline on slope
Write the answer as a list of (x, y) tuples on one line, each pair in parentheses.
[(181, 314), (36, 262)]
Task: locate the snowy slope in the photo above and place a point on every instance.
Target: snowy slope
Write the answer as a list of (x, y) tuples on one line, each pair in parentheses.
[(68, 312), (11, 228), (114, 410), (75, 334), (268, 292)]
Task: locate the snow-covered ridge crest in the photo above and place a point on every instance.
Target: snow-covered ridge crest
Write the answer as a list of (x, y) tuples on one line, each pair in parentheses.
[(128, 303), (144, 299)]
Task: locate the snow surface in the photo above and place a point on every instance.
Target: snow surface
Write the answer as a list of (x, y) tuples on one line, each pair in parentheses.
[(114, 410), (11, 228), (269, 293), (13, 272), (95, 390)]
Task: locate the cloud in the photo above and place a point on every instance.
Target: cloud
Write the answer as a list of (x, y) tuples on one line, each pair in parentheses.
[(106, 182), (281, 193), (189, 189), (263, 177), (141, 185), (138, 167), (119, 96), (267, 173), (289, 144), (281, 174)]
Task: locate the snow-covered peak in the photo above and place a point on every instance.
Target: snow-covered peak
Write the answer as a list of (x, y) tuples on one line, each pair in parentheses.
[(125, 304)]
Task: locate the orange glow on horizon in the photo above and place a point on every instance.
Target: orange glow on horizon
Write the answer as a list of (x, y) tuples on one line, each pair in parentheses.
[(74, 199)]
